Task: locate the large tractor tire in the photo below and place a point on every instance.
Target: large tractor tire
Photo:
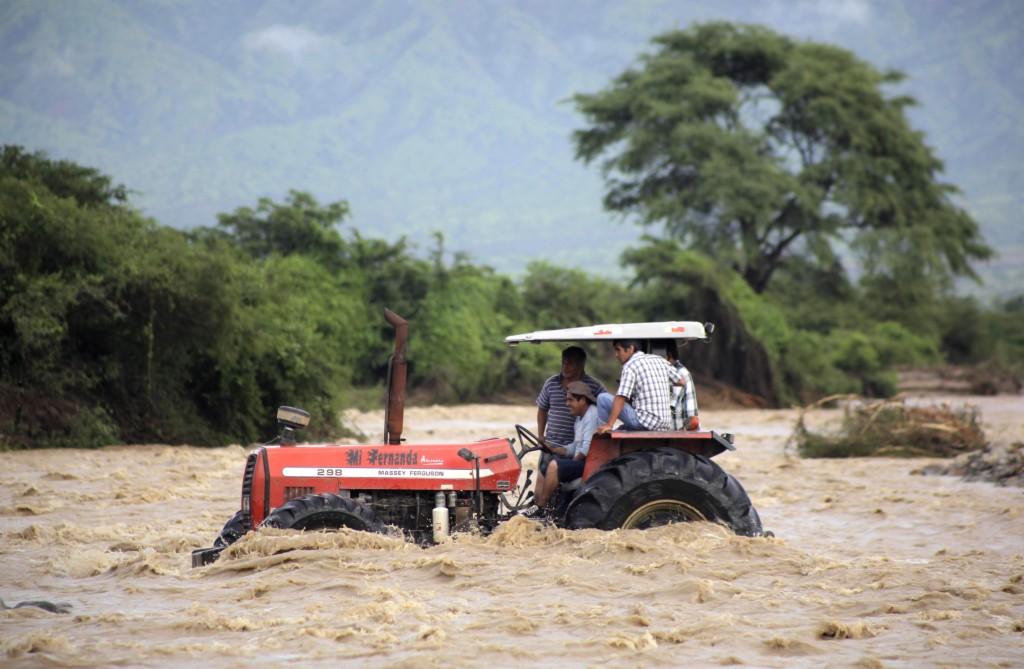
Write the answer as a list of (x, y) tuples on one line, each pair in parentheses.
[(323, 511), (233, 530), (646, 489)]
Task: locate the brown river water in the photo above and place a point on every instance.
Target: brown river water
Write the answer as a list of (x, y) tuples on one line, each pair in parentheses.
[(871, 566)]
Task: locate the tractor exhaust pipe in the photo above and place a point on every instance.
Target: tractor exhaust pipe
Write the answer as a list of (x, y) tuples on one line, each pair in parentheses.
[(394, 412)]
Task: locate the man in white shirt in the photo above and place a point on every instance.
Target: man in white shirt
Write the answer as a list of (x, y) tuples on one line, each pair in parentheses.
[(642, 400)]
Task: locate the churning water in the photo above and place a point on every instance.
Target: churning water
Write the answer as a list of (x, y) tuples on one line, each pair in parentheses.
[(871, 566)]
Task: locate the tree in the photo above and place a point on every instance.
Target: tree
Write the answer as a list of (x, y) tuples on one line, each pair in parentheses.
[(115, 328), (65, 240), (557, 297), (299, 225), (85, 185), (751, 147), (757, 347)]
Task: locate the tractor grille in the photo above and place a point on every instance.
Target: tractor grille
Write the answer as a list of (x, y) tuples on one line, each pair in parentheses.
[(250, 469), (294, 492)]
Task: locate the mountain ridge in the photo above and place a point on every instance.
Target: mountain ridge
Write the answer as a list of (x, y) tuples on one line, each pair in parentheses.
[(430, 116)]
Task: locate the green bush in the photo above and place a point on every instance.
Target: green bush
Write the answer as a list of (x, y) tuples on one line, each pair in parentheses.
[(557, 297), (811, 371), (973, 334), (870, 358), (457, 350), (294, 336)]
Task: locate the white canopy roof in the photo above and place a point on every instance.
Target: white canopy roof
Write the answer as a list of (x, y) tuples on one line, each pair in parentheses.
[(610, 331)]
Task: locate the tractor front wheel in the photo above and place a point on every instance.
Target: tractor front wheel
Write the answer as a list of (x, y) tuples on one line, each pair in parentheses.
[(233, 530), (323, 511), (646, 489)]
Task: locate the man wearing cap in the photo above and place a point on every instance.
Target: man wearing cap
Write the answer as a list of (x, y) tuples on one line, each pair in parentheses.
[(569, 459)]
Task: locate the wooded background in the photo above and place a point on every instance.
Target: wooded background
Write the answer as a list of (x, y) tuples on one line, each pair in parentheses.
[(786, 195)]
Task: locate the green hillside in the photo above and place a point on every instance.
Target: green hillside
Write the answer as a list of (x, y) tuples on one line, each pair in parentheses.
[(436, 116)]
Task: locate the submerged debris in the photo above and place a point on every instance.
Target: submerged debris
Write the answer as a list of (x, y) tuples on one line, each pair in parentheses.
[(52, 607), (1002, 464), (891, 428)]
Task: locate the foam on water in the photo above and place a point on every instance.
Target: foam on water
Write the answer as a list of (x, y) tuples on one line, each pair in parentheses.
[(871, 567)]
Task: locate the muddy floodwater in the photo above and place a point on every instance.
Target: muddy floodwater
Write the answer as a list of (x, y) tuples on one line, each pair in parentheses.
[(870, 566)]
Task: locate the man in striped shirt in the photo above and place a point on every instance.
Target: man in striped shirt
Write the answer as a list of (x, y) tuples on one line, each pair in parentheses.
[(554, 423), (643, 398)]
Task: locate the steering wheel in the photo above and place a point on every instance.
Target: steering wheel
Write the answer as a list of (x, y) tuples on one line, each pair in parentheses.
[(530, 442)]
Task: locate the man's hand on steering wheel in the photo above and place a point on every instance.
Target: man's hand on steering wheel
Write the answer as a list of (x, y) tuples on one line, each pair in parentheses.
[(531, 442)]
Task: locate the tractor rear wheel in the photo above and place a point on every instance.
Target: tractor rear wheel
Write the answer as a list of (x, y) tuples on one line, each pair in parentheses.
[(323, 511), (665, 485)]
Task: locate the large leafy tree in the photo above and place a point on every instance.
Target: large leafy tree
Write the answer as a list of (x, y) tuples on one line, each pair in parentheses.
[(753, 147)]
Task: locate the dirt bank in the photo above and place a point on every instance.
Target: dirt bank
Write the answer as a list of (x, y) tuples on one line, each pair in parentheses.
[(871, 567)]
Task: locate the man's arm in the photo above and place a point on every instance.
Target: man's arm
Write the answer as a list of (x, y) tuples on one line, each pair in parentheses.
[(588, 428), (627, 384), (613, 415), (543, 405)]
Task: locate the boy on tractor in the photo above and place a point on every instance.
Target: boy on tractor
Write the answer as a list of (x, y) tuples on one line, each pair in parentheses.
[(567, 465)]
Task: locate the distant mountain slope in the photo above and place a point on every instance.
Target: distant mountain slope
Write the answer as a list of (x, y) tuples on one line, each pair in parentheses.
[(450, 116)]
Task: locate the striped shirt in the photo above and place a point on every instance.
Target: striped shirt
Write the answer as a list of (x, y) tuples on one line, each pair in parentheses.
[(646, 382), (559, 429), (684, 399)]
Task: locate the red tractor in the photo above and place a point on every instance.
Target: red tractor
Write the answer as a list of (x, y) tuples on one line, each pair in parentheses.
[(631, 479)]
